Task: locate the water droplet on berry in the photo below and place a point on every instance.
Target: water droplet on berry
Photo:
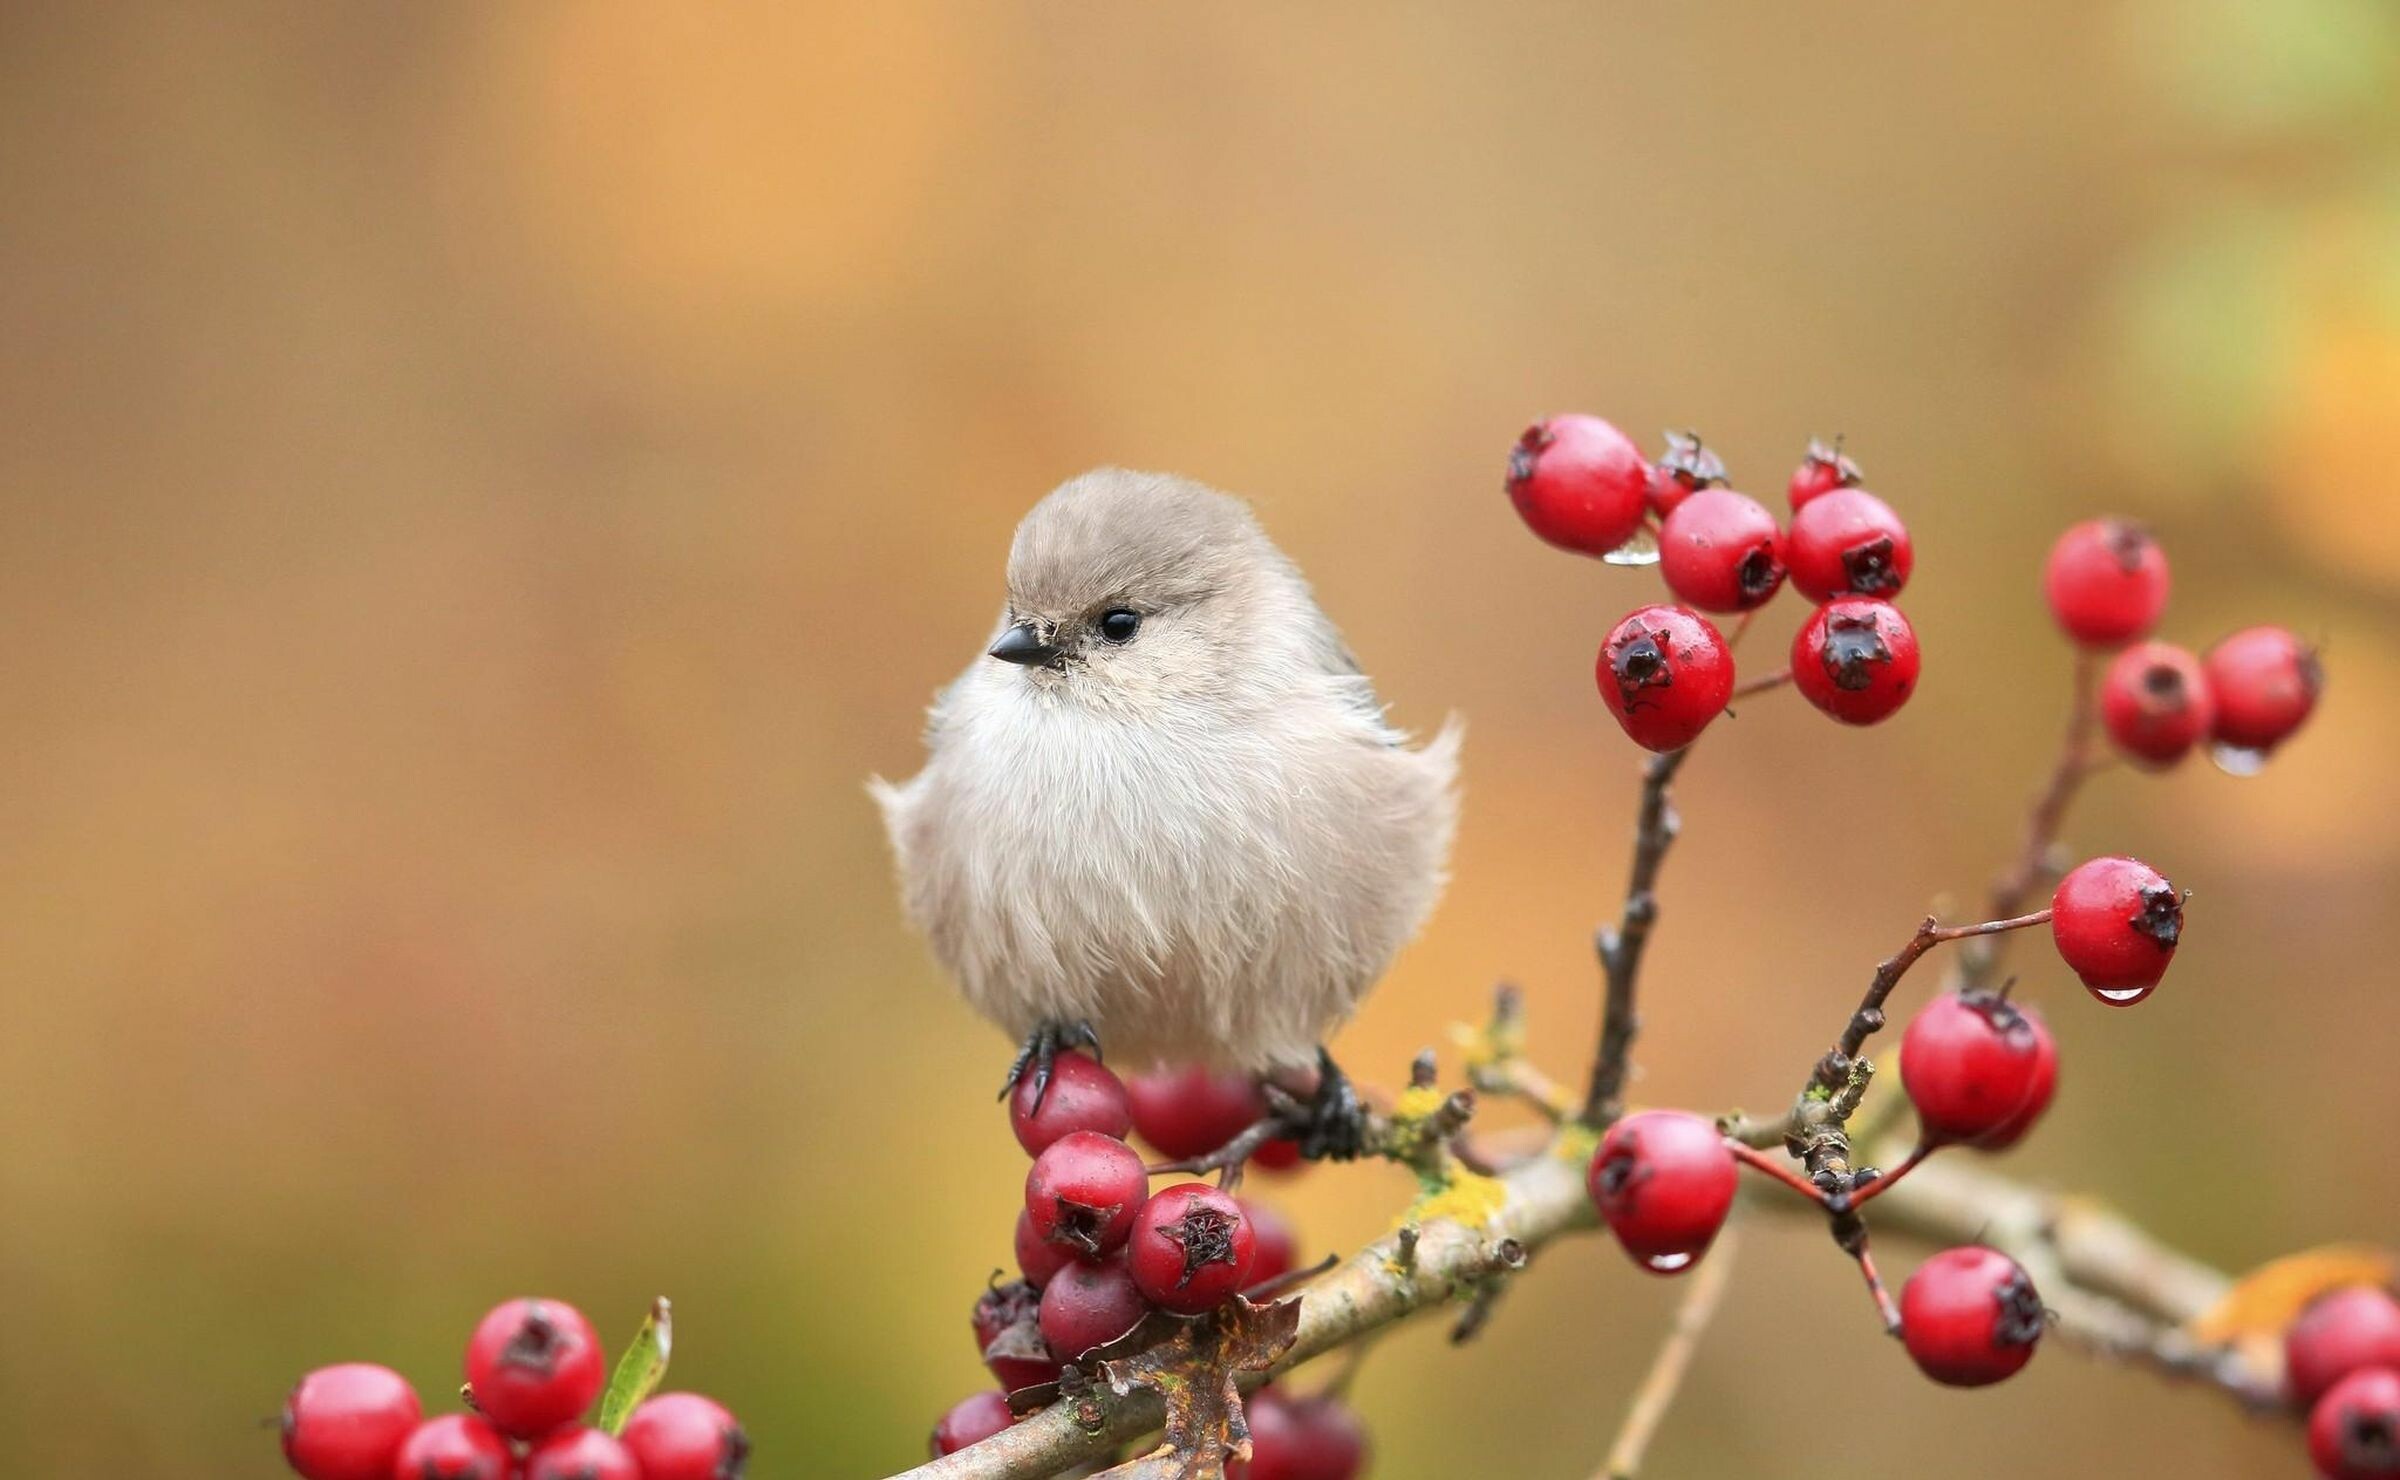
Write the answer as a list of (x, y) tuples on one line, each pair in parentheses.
[(1642, 549), (2238, 760), (1666, 1263), (2121, 996)]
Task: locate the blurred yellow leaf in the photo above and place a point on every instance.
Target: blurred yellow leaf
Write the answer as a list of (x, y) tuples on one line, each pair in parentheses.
[(2267, 1299)]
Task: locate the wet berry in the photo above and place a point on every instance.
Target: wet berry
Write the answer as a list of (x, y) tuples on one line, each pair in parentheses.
[(2156, 703), (1847, 542), (683, 1436), (346, 1422), (1970, 1317), (2339, 1333), (533, 1366), (1579, 483), (2116, 922), (1856, 659), (2265, 682), (1970, 1062), (1821, 472), (456, 1446), (971, 1421), (2106, 582), (1001, 1307), (1083, 1191), (1687, 467), (1083, 1095), (1664, 672), (1037, 1257), (581, 1454), (2354, 1430), (1302, 1438), (1090, 1305), (1721, 551), (1191, 1249), (1194, 1111), (1663, 1181), (1277, 1252)]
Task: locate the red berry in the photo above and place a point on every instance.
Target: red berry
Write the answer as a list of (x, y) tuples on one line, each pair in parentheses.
[(1083, 1192), (1664, 672), (1856, 660), (1016, 1355), (2106, 582), (1579, 483), (1687, 468), (2354, 1431), (2116, 921), (581, 1454), (1083, 1095), (2265, 682), (1970, 1316), (1314, 1438), (1193, 1111), (533, 1366), (1090, 1305), (346, 1422), (971, 1420), (2045, 1088), (683, 1436), (1664, 1181), (1821, 472), (1970, 1062), (1847, 542), (1278, 1156), (1001, 1307), (1037, 1258), (1278, 1245), (1721, 551), (2156, 703), (456, 1446), (2339, 1333), (1191, 1249)]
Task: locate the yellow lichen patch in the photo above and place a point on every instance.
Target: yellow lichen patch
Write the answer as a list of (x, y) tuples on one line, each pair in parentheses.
[(1575, 1144), (1418, 1102), (1470, 1198)]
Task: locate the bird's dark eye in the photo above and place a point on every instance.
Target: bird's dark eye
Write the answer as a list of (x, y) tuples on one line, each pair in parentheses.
[(1119, 623)]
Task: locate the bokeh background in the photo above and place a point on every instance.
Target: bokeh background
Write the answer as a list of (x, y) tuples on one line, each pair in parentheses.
[(484, 485)]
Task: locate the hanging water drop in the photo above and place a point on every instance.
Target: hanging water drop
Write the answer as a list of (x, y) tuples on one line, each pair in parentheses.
[(1666, 1263), (2237, 760), (1642, 549), (2121, 996)]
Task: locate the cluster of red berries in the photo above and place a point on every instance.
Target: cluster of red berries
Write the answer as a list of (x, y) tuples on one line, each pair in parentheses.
[(2342, 1364), (533, 1371), (1099, 1254), (2107, 584), (1666, 671)]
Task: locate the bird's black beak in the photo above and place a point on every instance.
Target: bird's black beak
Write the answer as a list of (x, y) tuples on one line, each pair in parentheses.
[(1023, 645)]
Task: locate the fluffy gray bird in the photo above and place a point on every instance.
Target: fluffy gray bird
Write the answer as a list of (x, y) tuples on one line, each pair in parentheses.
[(1164, 812)]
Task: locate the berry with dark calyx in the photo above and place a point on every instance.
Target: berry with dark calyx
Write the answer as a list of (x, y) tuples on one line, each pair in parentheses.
[(533, 1366), (1687, 467), (1090, 1305), (1579, 483), (1970, 1061), (1663, 1181), (2106, 582), (1856, 659), (683, 1436), (2156, 703), (1083, 1191), (1665, 672), (1277, 1249), (1847, 542), (1721, 551), (456, 1446), (2116, 921), (1302, 1438), (2045, 1088), (2265, 682), (1037, 1258), (1083, 1095), (345, 1422), (1018, 1357), (1970, 1317), (1001, 1307), (1192, 1248), (971, 1420), (581, 1454), (1193, 1111), (2354, 1430), (1825, 469), (2339, 1333)]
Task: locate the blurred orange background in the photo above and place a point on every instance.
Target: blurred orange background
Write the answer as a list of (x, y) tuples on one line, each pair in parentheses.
[(484, 485)]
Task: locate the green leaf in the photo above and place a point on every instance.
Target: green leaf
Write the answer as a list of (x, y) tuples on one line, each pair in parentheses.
[(640, 1370)]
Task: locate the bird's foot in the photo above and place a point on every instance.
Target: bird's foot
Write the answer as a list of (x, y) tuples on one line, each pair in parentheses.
[(1331, 1125), (1041, 1050)]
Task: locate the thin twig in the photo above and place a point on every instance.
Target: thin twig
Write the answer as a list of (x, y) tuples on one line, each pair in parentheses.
[(2032, 864), (1657, 1392), (1833, 1070), (1761, 684), (1759, 1161), (1620, 949)]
